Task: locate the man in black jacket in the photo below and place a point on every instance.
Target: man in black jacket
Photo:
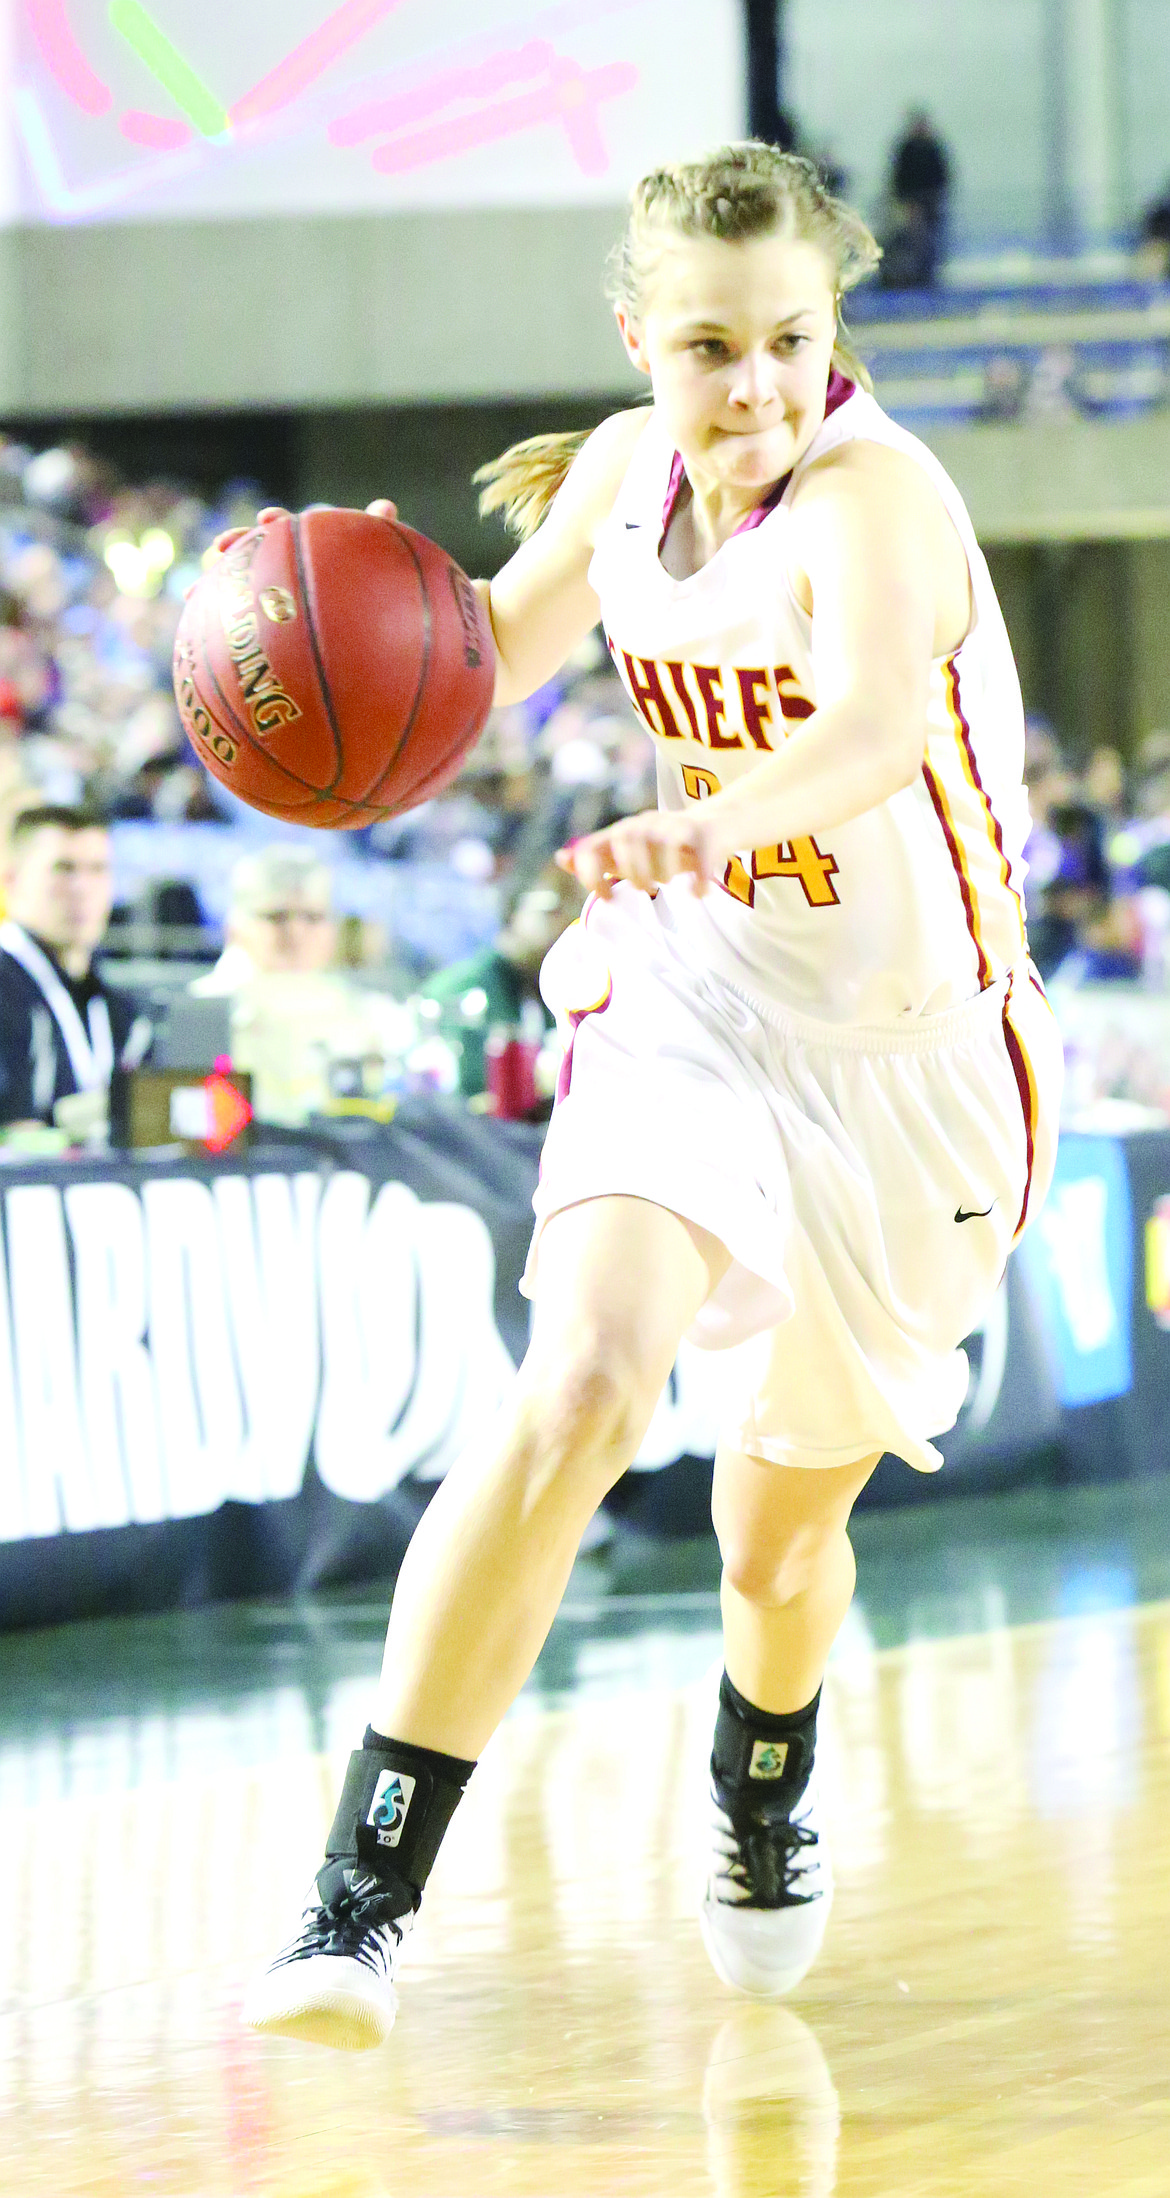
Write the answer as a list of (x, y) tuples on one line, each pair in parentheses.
[(61, 1032)]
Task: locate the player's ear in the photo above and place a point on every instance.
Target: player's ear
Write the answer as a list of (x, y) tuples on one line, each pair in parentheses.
[(632, 338)]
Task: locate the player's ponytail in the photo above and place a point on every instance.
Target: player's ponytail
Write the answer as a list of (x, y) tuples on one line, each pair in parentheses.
[(738, 192), (523, 481)]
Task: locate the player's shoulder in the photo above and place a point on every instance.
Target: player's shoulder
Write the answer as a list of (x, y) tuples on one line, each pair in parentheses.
[(603, 461), (872, 479), (861, 465), (615, 440)]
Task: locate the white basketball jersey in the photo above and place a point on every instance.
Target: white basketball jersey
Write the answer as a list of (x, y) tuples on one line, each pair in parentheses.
[(906, 910)]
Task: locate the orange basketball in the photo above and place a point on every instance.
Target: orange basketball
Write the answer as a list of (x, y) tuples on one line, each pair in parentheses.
[(333, 668)]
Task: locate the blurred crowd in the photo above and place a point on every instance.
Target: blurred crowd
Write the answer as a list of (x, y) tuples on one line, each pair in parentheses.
[(92, 578), (1098, 904), (1098, 886)]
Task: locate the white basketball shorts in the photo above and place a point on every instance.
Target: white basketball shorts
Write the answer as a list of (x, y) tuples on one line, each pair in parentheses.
[(868, 1183)]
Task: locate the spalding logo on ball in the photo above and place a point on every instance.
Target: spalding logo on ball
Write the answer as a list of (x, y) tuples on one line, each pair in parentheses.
[(333, 668)]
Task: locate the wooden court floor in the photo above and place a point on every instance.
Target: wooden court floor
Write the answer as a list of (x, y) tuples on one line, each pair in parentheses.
[(990, 2017)]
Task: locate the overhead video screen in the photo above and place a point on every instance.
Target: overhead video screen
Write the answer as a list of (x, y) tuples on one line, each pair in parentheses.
[(141, 109)]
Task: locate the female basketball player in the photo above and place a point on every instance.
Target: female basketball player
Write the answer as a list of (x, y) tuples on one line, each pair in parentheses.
[(810, 1096)]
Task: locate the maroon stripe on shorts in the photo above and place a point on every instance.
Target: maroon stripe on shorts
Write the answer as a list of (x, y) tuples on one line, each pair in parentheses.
[(1026, 1086)]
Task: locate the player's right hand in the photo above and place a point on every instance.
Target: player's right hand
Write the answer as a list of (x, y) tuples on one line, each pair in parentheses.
[(224, 541), (381, 508)]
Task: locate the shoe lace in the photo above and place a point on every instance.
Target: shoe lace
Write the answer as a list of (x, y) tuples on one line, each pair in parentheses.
[(764, 1855), (356, 1920)]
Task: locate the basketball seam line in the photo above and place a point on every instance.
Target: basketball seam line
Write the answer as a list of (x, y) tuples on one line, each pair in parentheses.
[(318, 661), (424, 667), (248, 738)]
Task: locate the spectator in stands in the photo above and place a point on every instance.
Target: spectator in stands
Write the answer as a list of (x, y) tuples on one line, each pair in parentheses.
[(304, 1029), (280, 920), (1005, 385), (1140, 847), (495, 986), (1153, 256), (919, 190), (1103, 785), (1139, 856), (1084, 933), (1049, 785), (61, 1031), (1055, 388)]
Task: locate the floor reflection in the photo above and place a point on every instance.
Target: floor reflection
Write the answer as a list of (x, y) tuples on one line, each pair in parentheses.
[(771, 2108)]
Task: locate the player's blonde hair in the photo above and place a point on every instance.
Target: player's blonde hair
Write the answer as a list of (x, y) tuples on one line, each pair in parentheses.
[(737, 192)]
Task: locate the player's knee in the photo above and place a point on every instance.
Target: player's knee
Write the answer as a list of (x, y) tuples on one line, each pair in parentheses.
[(587, 1415), (777, 1571)]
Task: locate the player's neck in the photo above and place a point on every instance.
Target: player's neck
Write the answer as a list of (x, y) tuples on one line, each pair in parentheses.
[(704, 519)]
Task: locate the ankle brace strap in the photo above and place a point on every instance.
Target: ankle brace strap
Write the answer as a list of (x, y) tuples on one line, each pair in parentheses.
[(393, 1811), (771, 1754)]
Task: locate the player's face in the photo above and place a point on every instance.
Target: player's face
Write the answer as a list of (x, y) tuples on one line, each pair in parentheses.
[(738, 341), (60, 886)]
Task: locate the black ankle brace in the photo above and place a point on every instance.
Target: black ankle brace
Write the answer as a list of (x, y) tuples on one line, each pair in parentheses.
[(395, 1806), (757, 1750)]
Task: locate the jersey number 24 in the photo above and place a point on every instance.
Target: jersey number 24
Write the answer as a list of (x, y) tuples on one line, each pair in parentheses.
[(790, 859)]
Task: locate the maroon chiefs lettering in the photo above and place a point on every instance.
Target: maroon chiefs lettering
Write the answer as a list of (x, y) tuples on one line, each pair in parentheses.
[(733, 707)]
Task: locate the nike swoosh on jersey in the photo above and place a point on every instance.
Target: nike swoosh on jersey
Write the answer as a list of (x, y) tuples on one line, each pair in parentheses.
[(975, 1214)]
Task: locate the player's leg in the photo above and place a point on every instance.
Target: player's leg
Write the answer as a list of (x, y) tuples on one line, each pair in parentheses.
[(788, 1571), (788, 1578), (618, 1282)]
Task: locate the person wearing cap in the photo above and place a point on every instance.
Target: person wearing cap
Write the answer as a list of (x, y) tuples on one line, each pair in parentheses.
[(280, 921), (298, 1022)]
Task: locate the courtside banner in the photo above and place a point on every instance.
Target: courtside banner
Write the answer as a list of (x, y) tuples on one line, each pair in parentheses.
[(245, 1376)]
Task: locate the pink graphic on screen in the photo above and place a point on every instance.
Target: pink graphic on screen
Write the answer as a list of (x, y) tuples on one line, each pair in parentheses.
[(441, 91), (310, 59), (50, 27), (156, 131), (563, 92), (573, 97)]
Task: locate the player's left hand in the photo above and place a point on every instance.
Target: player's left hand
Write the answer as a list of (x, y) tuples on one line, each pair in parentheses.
[(648, 850)]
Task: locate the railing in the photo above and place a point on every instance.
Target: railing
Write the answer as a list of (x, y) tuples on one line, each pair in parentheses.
[(1055, 341)]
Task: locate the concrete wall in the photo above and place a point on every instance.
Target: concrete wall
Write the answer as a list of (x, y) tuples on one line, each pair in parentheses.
[(1066, 480), (11, 321), (1150, 631), (152, 316)]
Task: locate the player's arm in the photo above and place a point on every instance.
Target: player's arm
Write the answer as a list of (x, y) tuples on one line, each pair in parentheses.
[(540, 603), (883, 580), (877, 561)]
